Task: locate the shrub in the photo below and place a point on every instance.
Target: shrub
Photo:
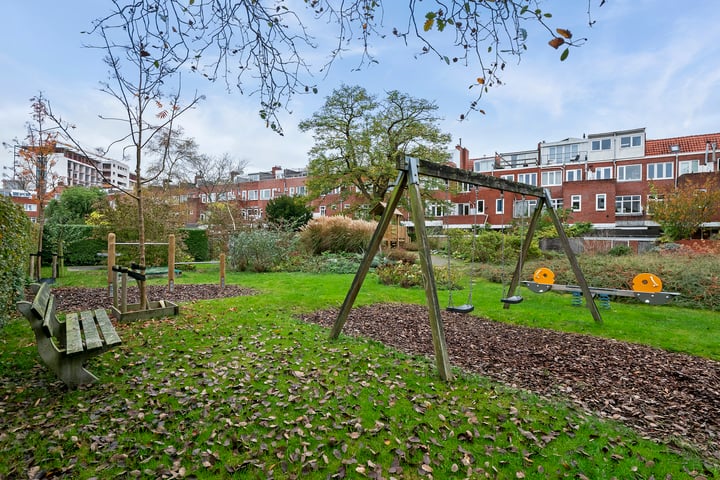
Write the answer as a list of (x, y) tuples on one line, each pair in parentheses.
[(336, 234), (410, 275), (401, 255), (15, 240), (196, 242), (260, 250), (620, 250)]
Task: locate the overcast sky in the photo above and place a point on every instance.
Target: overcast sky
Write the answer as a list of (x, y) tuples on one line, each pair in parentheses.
[(647, 63)]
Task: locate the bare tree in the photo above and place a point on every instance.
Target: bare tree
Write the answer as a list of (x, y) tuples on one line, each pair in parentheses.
[(173, 153), (35, 169), (264, 48), (144, 57)]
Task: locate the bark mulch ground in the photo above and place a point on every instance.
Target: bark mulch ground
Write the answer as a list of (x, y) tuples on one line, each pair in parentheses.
[(666, 396), (72, 299)]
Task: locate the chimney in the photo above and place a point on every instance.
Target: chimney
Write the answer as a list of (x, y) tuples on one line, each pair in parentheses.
[(464, 158)]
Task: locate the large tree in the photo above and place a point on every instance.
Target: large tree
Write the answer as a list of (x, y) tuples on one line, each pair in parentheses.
[(358, 140)]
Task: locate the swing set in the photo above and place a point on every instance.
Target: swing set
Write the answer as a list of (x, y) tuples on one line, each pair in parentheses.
[(408, 179)]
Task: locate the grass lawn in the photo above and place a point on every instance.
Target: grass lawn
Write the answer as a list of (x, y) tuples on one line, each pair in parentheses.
[(239, 388)]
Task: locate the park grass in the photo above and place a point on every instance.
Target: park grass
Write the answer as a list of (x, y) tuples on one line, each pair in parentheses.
[(239, 388), (675, 329)]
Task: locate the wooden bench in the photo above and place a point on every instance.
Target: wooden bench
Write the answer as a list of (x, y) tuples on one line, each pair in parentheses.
[(66, 346)]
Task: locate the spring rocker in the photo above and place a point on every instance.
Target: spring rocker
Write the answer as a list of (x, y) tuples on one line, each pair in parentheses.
[(646, 287)]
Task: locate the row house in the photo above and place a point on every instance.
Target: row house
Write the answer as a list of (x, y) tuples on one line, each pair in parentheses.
[(605, 178), (250, 192)]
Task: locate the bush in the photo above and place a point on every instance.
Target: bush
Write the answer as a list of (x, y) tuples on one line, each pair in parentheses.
[(15, 228), (408, 275), (196, 242), (620, 250), (336, 234), (260, 250)]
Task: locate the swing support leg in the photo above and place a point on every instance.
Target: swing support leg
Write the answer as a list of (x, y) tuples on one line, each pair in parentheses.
[(515, 281), (442, 359), (369, 255), (582, 283)]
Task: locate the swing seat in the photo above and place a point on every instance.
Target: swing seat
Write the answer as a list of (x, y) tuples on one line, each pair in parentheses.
[(513, 300), (466, 308)]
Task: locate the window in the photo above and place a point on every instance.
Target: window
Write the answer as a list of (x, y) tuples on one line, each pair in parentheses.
[(302, 190), (527, 178), (486, 165), (601, 202), (463, 208), (323, 210), (628, 205), (603, 144), (265, 194), (557, 203), (435, 210), (552, 177), (688, 166), (480, 206), (243, 195), (629, 173), (659, 171), (575, 202), (500, 205), (574, 175), (563, 154), (524, 208), (252, 194), (30, 207), (630, 141), (509, 177)]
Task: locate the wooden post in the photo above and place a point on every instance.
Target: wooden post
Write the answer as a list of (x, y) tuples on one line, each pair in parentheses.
[(171, 262), (111, 262), (417, 210), (524, 251), (61, 258), (222, 270), (367, 260), (123, 293), (54, 266), (582, 283), (114, 287)]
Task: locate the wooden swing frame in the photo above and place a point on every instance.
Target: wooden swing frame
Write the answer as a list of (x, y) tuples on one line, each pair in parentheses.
[(408, 178)]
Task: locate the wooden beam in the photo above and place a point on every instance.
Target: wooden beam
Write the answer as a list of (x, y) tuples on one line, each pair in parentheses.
[(589, 300), (372, 249), (524, 250), (437, 170), (417, 209)]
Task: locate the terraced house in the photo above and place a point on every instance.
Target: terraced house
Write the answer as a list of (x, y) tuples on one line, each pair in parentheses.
[(606, 179)]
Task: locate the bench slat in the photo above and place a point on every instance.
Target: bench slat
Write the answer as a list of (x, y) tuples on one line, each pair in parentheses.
[(108, 331), (72, 330), (92, 337), (40, 302), (47, 317)]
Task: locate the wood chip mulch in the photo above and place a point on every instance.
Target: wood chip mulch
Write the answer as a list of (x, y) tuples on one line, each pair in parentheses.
[(72, 299), (669, 397)]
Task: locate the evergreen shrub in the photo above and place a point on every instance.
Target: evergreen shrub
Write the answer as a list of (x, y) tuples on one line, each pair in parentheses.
[(15, 239)]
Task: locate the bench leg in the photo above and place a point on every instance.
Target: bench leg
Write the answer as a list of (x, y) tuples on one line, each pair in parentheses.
[(72, 373), (68, 369)]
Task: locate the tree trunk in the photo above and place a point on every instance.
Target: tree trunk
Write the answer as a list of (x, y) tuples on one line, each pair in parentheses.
[(141, 225)]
